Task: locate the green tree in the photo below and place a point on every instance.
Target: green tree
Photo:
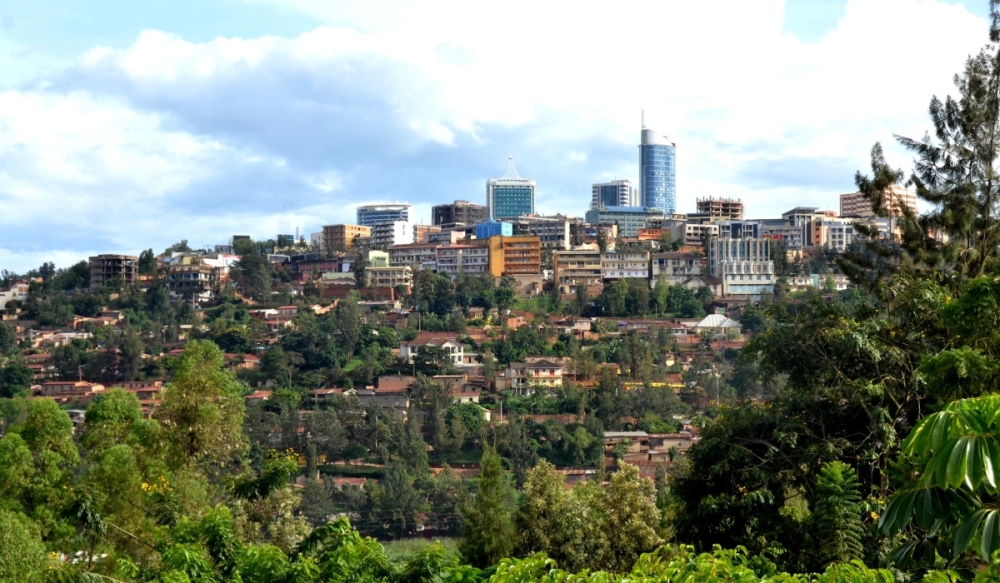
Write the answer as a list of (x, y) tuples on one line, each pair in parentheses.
[(253, 272), (37, 461), (613, 298), (631, 518), (444, 499), (116, 418), (22, 554), (147, 262), (838, 513), (951, 501), (487, 525), (504, 297), (394, 504), (582, 298), (551, 519), (661, 293), (130, 350), (348, 323), (637, 297), (202, 410), (8, 340), (15, 379), (753, 319)]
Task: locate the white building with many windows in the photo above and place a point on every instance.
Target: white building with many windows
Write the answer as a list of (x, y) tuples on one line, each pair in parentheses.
[(422, 255), (394, 233), (744, 265), (471, 259), (630, 265)]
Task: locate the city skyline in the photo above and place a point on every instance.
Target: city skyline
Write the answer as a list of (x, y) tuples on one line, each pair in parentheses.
[(137, 130)]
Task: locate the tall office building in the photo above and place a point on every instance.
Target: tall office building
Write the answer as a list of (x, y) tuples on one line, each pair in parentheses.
[(510, 196), (614, 193), (657, 171), (370, 215)]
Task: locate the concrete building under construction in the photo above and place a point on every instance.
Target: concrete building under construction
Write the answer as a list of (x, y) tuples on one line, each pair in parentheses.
[(721, 209)]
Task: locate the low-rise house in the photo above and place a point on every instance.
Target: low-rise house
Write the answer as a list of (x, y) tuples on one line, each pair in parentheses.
[(319, 395), (448, 342), (392, 401), (465, 395), (395, 382), (638, 440), (18, 291), (241, 361), (258, 396), (54, 388), (663, 442), (524, 376)]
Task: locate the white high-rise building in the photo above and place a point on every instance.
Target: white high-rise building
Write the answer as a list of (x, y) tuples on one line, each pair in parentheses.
[(370, 215), (386, 235), (614, 193)]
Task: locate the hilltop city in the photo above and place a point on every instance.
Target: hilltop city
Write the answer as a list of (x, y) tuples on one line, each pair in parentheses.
[(481, 380)]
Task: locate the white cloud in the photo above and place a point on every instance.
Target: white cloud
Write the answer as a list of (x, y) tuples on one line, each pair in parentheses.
[(169, 139)]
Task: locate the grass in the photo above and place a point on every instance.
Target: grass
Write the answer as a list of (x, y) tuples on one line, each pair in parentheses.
[(533, 305), (400, 550), (355, 363)]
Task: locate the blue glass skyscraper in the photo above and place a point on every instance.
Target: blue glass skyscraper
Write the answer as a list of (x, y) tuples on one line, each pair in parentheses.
[(657, 172)]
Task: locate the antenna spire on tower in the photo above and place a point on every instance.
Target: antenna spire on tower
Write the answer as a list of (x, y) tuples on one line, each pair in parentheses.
[(511, 173), (643, 118)]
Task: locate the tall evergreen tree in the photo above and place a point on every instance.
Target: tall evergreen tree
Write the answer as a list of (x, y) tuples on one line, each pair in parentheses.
[(956, 172), (487, 526)]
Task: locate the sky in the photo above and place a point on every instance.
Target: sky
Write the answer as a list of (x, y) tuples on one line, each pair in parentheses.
[(133, 125)]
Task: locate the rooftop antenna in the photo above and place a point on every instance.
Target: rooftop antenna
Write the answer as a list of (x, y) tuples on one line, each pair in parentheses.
[(511, 173), (643, 118)]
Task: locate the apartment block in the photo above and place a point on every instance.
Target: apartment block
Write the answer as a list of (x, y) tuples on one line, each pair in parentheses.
[(388, 276), (576, 267), (422, 255), (552, 231), (675, 267), (792, 237), (455, 259), (341, 237), (106, 268), (631, 265), (515, 256), (697, 233), (393, 233), (421, 232), (856, 205), (835, 234), (195, 281)]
